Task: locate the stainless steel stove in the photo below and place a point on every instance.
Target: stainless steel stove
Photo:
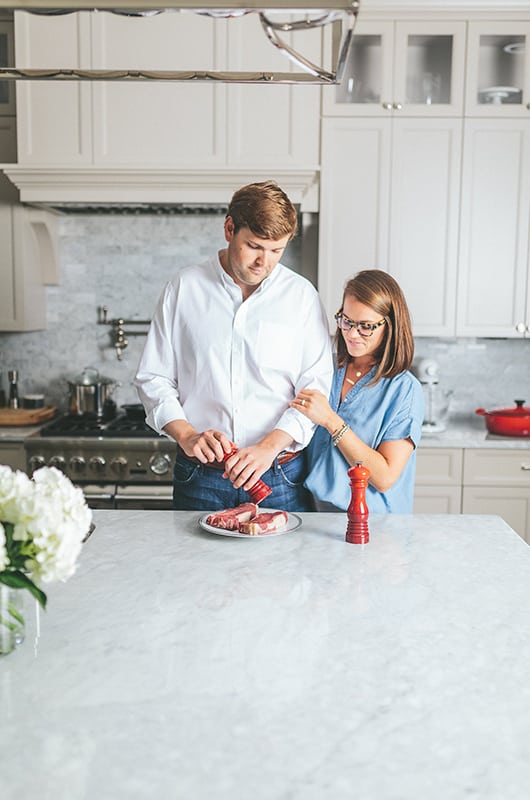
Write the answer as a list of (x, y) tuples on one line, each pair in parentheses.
[(118, 462)]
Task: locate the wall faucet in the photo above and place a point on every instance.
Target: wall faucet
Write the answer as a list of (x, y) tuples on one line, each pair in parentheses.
[(119, 335)]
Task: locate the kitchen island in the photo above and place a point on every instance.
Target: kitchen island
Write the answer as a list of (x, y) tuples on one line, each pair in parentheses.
[(181, 664)]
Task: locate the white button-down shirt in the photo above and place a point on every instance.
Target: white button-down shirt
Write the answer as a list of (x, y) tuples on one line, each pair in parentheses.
[(234, 366)]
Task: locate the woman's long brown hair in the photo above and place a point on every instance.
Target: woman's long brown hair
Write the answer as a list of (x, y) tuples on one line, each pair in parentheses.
[(380, 291)]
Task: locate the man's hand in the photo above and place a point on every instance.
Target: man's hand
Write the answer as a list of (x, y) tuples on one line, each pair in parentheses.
[(247, 465), (206, 446)]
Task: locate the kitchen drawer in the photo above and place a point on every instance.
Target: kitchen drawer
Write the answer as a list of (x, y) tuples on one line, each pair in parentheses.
[(513, 505), (437, 499), (439, 466), (509, 468), (13, 455)]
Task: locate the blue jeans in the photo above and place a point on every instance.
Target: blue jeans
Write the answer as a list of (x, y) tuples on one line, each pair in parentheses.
[(200, 488)]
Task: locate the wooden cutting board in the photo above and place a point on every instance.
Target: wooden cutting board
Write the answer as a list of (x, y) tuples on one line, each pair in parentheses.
[(26, 416)]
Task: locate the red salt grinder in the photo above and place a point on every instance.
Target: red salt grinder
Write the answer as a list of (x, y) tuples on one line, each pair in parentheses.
[(357, 528), (258, 491)]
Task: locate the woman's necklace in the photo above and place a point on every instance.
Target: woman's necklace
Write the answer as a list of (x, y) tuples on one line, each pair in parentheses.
[(358, 374)]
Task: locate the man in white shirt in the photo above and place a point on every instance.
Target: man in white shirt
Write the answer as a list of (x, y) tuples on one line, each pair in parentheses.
[(231, 343)]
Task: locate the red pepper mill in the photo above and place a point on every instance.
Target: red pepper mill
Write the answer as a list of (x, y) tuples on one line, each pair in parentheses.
[(258, 491), (357, 529)]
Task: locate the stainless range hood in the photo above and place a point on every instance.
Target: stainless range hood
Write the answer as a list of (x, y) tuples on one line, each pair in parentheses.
[(340, 14)]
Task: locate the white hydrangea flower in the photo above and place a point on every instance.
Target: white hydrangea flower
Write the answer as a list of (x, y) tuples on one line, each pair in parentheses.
[(16, 491), (60, 520), (4, 558), (50, 516)]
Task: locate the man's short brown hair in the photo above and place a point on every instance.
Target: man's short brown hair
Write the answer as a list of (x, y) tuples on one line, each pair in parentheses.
[(265, 209)]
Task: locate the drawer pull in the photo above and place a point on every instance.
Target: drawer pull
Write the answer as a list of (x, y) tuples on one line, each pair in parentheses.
[(525, 467)]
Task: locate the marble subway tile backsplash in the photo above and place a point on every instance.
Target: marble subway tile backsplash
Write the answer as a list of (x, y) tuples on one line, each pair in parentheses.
[(123, 261)]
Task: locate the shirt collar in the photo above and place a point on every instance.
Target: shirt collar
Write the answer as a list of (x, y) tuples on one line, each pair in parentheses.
[(232, 286)]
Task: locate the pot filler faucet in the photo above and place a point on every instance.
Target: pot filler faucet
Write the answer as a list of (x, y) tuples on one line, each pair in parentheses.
[(118, 332)]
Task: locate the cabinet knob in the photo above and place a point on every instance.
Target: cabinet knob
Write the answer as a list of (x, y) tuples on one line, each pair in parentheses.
[(520, 327), (397, 106), (387, 106)]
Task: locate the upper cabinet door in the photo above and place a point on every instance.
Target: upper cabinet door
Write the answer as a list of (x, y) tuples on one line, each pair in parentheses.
[(403, 68), (498, 77), (493, 260), (429, 68), (366, 88), (158, 123), (7, 88), (277, 127), (53, 116)]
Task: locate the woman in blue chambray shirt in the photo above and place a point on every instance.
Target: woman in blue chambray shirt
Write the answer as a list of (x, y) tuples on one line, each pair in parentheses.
[(375, 409)]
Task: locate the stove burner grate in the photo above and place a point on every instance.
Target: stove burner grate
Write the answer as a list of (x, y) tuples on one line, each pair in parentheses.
[(128, 426), (88, 425)]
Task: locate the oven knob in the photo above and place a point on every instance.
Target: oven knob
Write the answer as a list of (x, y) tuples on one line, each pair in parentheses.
[(160, 463), (77, 464), (36, 462), (97, 464), (58, 462), (119, 465)]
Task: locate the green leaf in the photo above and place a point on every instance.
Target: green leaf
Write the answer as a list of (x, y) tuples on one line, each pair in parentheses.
[(15, 613), (18, 580)]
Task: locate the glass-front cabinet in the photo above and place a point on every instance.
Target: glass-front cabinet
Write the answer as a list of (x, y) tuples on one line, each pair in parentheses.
[(406, 68), (498, 78)]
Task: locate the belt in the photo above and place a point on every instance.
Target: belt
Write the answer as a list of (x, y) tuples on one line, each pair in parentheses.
[(283, 458)]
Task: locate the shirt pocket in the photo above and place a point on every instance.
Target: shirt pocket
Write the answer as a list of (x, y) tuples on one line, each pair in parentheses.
[(277, 348)]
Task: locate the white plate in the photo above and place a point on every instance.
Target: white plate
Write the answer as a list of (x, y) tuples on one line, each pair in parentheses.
[(293, 523), (514, 48), (500, 92), (503, 89)]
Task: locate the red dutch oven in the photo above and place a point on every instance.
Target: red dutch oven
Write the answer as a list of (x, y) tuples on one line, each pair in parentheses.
[(508, 421)]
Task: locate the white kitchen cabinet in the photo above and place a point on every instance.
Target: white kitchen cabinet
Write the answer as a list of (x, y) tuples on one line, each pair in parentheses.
[(196, 126), (390, 200), (498, 482), (157, 123), (7, 88), (53, 117), (498, 75), (27, 261), (390, 196), (438, 486), (8, 139), (12, 454), (273, 126), (494, 267), (8, 148), (403, 68), (22, 292)]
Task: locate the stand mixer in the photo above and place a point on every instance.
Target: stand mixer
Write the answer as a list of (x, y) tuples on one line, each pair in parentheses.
[(437, 400)]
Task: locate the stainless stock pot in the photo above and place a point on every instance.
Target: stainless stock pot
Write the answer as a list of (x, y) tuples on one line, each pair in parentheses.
[(90, 393)]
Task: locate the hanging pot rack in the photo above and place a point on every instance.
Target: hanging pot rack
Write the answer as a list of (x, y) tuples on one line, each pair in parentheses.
[(340, 14)]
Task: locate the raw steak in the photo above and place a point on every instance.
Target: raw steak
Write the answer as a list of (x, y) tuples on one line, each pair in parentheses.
[(265, 523), (231, 518)]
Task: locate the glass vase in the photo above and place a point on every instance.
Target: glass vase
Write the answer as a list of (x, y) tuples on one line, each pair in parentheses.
[(12, 625)]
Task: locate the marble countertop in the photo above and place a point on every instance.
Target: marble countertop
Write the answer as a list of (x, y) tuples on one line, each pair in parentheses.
[(12, 433), (186, 665), (470, 431), (464, 430)]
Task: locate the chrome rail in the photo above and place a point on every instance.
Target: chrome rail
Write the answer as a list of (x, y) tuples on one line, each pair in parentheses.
[(342, 15)]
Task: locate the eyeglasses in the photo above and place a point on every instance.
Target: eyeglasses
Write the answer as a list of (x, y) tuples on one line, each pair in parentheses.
[(362, 328)]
